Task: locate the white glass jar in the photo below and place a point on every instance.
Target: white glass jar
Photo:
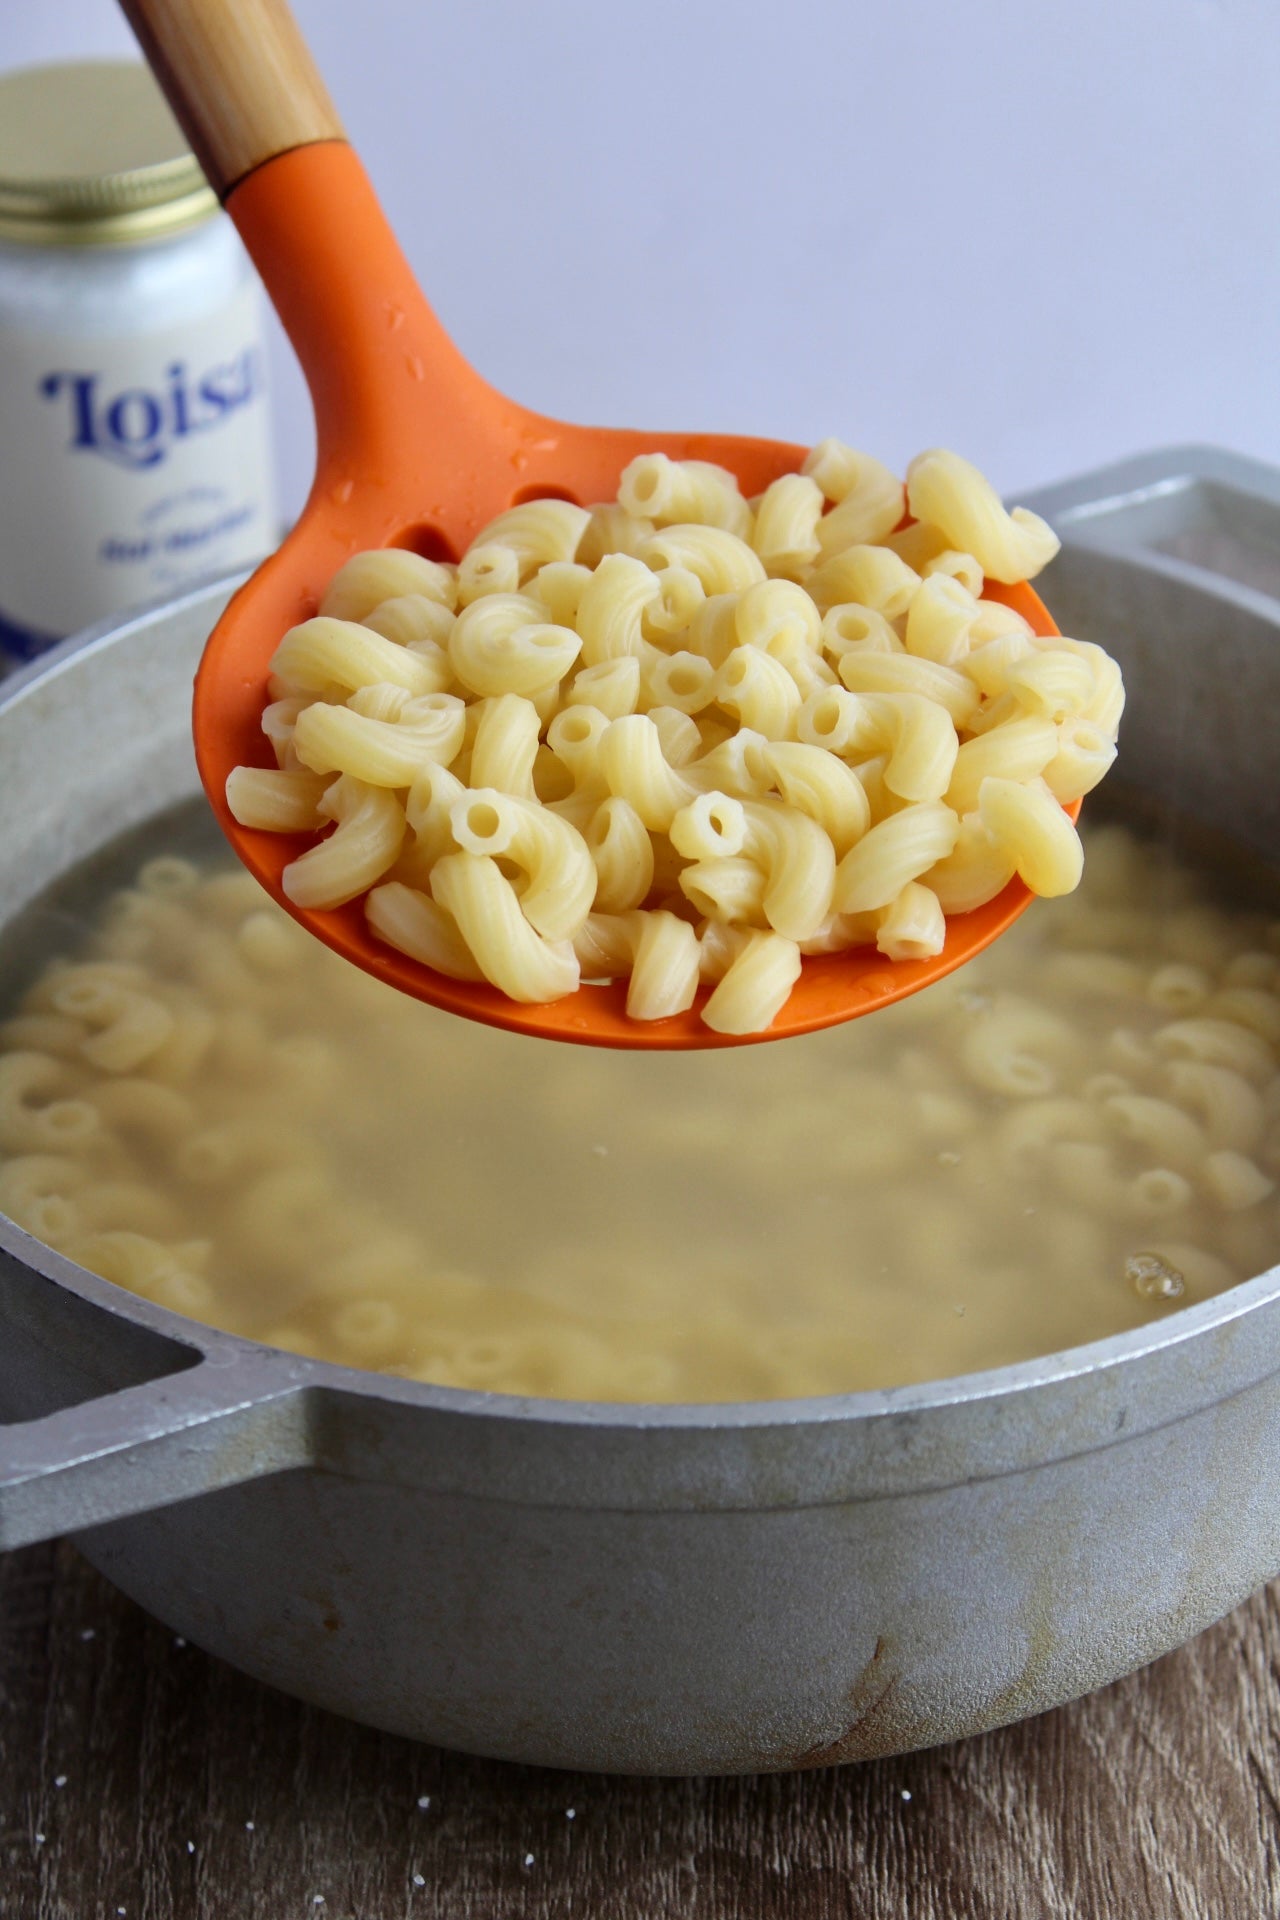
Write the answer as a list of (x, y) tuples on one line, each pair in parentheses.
[(135, 448)]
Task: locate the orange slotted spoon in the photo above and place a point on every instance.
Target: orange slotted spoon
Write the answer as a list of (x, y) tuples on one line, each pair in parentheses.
[(415, 450)]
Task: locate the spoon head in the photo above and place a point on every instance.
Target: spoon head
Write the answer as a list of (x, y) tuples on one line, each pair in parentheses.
[(231, 692)]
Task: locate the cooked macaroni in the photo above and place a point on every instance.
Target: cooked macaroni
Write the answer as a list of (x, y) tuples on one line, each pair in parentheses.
[(609, 668), (1077, 1133)]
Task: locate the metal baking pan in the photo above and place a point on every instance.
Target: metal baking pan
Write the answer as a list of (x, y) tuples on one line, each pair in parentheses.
[(669, 1589)]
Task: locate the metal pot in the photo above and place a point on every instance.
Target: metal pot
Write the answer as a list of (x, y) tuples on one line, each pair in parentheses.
[(667, 1589)]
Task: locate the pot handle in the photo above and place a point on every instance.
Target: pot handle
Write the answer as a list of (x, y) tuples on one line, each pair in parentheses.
[(230, 1418), (1200, 515)]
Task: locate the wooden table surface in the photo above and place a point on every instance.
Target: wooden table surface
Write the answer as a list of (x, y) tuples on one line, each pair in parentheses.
[(142, 1780)]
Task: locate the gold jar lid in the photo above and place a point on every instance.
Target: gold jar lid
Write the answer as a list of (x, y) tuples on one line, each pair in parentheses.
[(90, 155)]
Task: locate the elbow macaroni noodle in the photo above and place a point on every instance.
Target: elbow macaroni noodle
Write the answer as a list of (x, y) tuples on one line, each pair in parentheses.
[(608, 669), (1077, 1132)]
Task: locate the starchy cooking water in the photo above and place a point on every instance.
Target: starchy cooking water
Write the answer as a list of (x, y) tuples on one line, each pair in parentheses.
[(1076, 1134)]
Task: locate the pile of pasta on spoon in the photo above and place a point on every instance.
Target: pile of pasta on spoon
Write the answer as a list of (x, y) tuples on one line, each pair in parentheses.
[(687, 737)]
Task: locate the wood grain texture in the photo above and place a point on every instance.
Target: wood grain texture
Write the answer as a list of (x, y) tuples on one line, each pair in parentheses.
[(1157, 1799), (239, 77)]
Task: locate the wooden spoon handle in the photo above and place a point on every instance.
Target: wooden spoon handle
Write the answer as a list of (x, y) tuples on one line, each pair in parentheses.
[(239, 77)]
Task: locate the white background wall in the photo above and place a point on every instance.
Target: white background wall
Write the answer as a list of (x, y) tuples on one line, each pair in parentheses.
[(1045, 234)]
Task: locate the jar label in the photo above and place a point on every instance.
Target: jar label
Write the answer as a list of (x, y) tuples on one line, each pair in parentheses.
[(129, 467)]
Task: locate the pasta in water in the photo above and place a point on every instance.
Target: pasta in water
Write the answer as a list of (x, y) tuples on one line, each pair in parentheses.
[(896, 746), (1078, 1132)]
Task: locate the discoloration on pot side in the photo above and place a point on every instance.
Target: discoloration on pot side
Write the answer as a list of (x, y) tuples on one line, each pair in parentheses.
[(870, 1699)]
